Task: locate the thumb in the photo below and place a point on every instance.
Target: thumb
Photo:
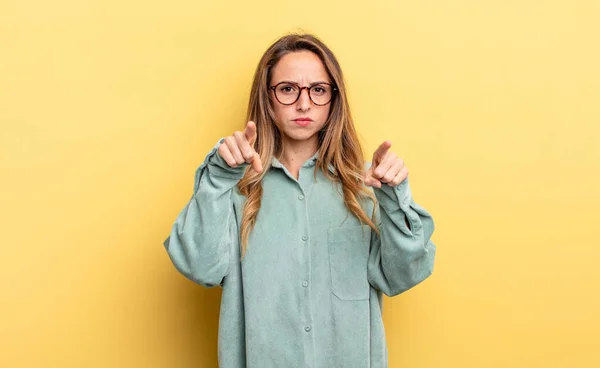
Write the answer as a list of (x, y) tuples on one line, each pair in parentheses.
[(250, 132), (370, 180), (256, 163)]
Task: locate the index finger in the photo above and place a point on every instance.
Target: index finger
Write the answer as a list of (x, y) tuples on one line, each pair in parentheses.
[(250, 132), (381, 151)]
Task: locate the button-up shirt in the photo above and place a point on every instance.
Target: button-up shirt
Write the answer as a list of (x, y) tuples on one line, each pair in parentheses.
[(308, 292)]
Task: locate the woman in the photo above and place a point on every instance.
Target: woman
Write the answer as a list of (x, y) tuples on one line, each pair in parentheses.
[(301, 234)]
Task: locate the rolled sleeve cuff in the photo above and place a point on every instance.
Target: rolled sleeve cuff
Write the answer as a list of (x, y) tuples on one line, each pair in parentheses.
[(217, 166)]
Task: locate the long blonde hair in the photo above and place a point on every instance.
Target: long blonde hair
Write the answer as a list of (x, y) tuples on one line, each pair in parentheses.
[(338, 141)]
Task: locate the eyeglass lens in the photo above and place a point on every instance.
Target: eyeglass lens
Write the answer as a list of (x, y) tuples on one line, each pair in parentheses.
[(288, 93)]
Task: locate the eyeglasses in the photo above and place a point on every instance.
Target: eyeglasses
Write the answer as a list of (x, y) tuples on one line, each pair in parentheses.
[(288, 93)]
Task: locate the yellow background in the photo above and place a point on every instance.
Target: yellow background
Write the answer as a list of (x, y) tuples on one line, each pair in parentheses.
[(108, 107)]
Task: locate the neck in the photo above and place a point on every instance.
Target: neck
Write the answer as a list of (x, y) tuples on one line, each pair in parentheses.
[(295, 153)]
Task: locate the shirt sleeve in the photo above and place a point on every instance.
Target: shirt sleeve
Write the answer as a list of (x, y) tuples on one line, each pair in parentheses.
[(402, 255), (205, 230)]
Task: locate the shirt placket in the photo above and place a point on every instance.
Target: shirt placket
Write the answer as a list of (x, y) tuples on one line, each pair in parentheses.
[(305, 184)]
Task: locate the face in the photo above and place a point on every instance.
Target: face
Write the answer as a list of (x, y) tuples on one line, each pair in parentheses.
[(304, 68)]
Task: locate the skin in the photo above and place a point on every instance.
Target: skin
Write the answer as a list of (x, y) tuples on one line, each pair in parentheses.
[(300, 143)]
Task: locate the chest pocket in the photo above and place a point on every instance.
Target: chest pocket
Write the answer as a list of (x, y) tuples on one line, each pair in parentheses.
[(348, 249)]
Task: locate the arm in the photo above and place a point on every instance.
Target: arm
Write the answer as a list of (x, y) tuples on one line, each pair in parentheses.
[(206, 229), (402, 256)]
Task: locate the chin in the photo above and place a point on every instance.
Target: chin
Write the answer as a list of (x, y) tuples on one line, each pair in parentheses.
[(300, 136)]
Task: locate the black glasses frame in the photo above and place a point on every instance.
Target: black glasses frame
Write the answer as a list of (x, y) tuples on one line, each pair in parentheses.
[(274, 88)]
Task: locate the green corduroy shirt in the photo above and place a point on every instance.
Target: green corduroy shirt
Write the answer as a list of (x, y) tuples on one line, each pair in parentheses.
[(308, 292)]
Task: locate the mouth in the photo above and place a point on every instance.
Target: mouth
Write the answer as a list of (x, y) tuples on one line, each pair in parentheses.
[(303, 121)]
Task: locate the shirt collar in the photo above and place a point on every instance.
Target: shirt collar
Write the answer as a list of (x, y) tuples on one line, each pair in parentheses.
[(308, 163)]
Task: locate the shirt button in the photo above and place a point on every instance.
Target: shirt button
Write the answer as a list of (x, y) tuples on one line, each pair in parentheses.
[(307, 328), (305, 283), (301, 197), (304, 237)]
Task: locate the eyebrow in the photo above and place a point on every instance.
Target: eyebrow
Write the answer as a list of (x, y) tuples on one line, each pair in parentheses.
[(312, 84)]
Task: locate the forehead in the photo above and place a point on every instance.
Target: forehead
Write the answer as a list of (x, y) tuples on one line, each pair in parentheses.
[(302, 67)]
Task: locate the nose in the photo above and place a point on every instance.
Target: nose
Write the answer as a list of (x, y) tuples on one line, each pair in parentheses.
[(303, 102)]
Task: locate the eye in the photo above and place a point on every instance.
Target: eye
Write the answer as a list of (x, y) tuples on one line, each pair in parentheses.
[(287, 89), (319, 90)]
